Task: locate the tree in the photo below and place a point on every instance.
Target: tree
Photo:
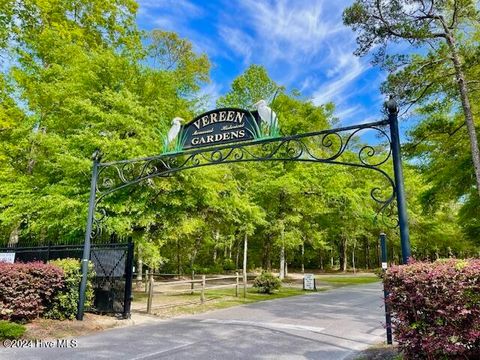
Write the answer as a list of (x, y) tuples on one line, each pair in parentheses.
[(77, 84), (253, 85), (39, 90), (171, 54), (438, 25)]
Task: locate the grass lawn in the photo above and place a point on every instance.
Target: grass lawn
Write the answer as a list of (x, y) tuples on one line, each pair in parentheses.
[(254, 296)]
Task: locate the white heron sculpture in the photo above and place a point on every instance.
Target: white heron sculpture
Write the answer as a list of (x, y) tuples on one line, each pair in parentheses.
[(267, 115), (174, 130)]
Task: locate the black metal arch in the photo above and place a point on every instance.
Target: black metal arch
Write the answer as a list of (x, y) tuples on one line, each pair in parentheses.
[(325, 146), (331, 146)]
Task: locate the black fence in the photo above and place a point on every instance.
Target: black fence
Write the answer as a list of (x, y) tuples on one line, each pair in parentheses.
[(113, 264)]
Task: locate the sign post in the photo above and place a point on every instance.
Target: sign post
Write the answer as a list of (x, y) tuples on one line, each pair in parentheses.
[(309, 282), (96, 157), (7, 257), (392, 108), (388, 319)]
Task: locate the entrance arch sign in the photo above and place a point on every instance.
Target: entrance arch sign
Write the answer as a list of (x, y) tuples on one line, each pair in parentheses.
[(330, 146), (220, 126)]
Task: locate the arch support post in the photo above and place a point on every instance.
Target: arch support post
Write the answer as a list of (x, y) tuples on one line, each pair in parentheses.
[(88, 235), (392, 108)]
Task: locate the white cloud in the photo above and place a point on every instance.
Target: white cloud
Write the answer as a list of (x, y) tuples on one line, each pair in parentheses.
[(239, 42), (339, 88), (307, 83), (341, 59), (164, 23), (286, 29), (183, 8), (347, 112), (169, 14)]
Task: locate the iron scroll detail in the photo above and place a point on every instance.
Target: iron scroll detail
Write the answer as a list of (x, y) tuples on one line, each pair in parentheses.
[(331, 146)]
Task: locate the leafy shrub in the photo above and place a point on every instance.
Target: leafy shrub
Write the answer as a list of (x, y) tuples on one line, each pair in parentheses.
[(228, 265), (214, 269), (26, 289), (266, 283), (64, 303), (9, 330), (436, 308)]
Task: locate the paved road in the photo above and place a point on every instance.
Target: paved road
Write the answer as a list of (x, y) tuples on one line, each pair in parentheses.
[(324, 325)]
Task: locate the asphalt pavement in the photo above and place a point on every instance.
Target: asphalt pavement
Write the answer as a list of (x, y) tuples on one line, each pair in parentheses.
[(334, 324)]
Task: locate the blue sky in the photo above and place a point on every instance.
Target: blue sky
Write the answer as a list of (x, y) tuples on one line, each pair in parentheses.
[(302, 43)]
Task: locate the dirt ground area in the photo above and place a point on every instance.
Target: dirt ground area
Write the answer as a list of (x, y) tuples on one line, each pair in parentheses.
[(380, 352), (57, 329)]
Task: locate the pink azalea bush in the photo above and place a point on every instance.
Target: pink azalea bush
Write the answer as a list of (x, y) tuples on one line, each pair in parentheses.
[(436, 308), (26, 289)]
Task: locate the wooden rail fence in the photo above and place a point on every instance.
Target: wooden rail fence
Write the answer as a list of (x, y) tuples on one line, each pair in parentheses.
[(151, 284)]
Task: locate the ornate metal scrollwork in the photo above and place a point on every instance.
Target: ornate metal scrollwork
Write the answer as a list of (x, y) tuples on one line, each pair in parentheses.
[(97, 226), (333, 146)]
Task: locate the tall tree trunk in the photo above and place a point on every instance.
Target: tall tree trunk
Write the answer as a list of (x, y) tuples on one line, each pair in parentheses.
[(282, 263), (269, 253), (303, 256), (179, 267), (237, 256), (342, 251), (139, 264), (367, 252), (353, 260), (266, 257), (320, 258), (245, 251), (196, 247), (282, 255), (216, 237), (467, 109), (353, 255)]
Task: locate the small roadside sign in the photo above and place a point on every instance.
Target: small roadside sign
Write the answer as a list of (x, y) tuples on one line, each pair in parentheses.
[(7, 257), (309, 282)]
